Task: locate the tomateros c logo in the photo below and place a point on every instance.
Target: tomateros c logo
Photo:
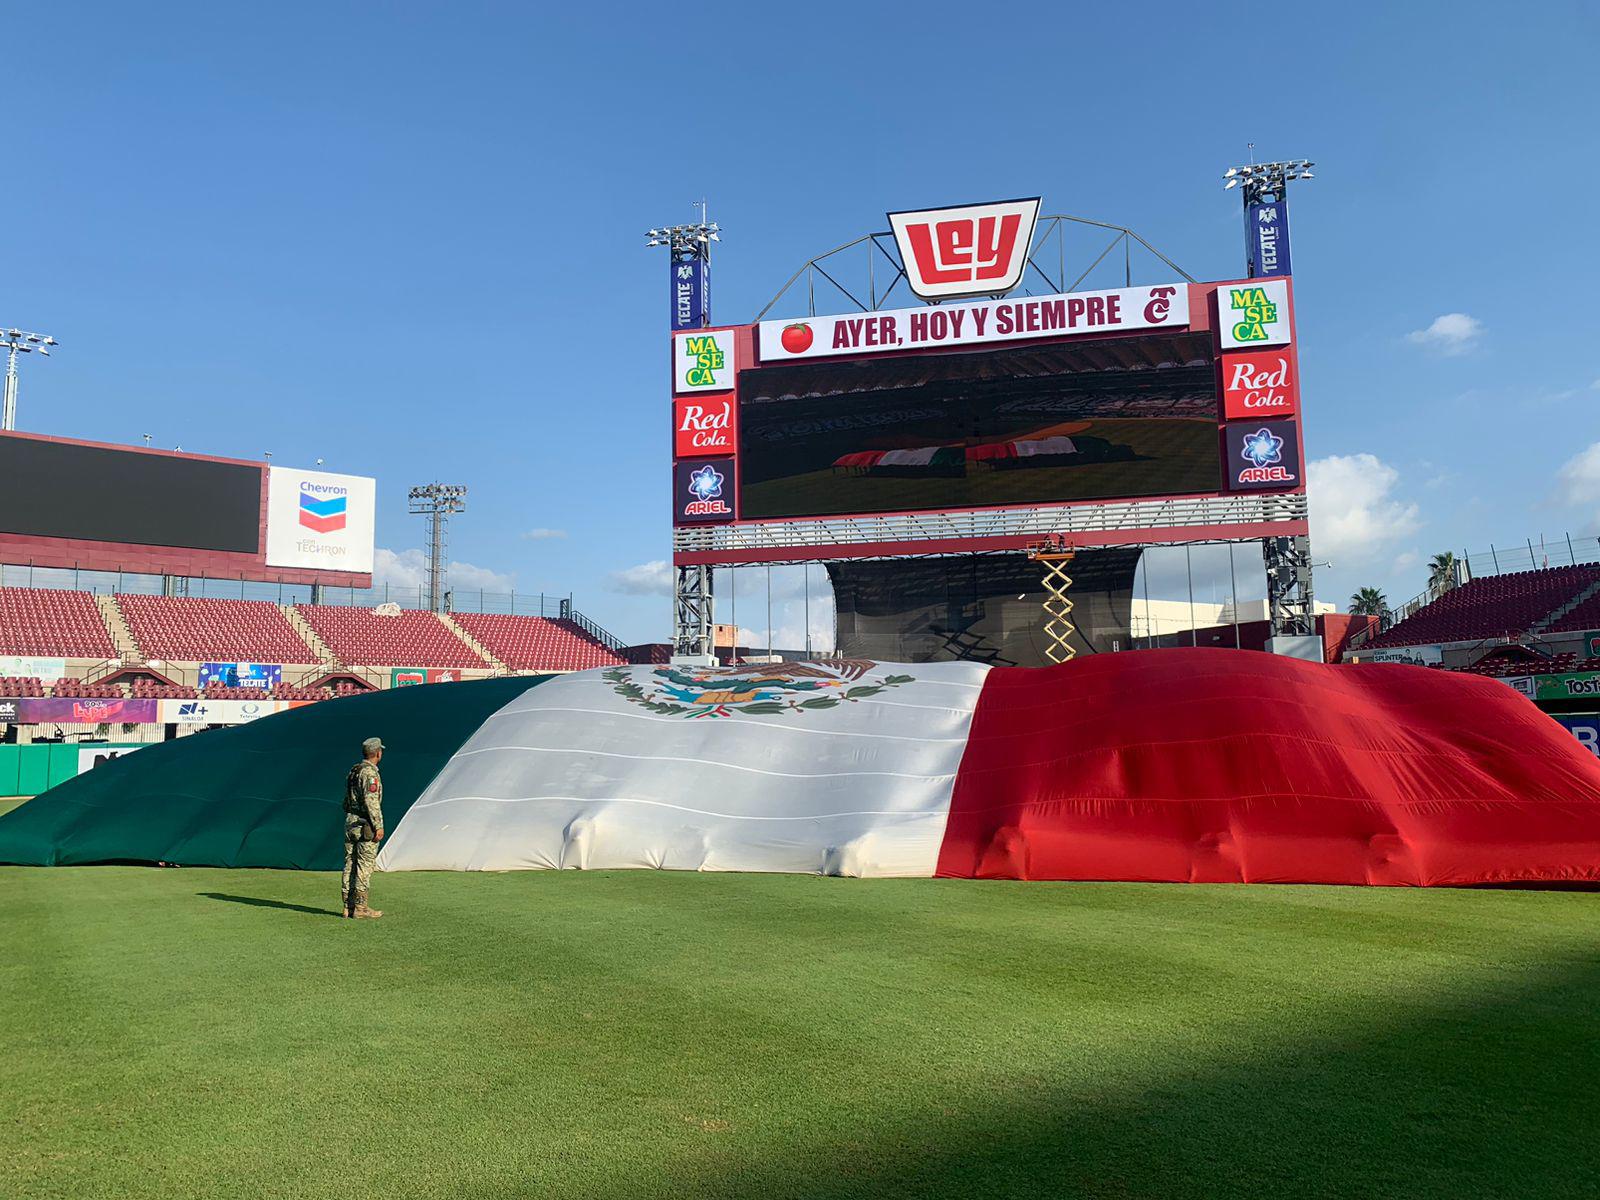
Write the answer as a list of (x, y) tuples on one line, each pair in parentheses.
[(965, 250)]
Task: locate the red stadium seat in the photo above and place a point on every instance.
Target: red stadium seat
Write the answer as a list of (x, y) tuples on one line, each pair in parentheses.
[(200, 629), (537, 643), (47, 621), (359, 636), (1493, 606)]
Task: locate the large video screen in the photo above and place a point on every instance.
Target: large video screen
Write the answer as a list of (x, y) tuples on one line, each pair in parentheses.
[(90, 493), (1111, 418)]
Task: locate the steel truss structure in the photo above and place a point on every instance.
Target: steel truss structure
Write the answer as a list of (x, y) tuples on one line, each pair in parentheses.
[(878, 254)]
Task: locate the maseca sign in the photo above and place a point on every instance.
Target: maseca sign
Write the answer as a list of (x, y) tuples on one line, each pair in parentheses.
[(1152, 307)]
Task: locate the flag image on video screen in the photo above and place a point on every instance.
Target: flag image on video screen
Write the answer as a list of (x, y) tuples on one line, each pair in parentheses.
[(1108, 419)]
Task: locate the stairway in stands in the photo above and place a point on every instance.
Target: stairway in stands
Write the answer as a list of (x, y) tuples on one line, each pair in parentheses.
[(478, 647), (117, 625), (320, 648), (1556, 614)]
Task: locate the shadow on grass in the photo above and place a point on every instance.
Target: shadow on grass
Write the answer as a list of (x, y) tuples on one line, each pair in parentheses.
[(1486, 1094), (258, 902)]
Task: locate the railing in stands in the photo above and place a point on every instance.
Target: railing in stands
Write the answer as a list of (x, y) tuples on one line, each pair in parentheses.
[(607, 639)]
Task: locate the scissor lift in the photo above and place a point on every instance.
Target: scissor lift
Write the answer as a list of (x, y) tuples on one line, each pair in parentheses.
[(1055, 556)]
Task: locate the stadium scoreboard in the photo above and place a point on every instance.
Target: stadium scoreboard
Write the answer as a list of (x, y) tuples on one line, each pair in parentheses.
[(1162, 413)]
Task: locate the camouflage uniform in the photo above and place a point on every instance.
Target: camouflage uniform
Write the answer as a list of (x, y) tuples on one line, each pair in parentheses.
[(363, 820)]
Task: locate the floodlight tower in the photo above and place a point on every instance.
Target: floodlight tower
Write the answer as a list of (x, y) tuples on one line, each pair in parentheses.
[(18, 341), (689, 279), (1264, 189), (438, 502)]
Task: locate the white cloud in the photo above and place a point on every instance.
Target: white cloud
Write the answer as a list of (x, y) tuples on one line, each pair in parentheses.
[(409, 569), (1578, 480), (541, 535), (1452, 333), (653, 578), (1354, 519)]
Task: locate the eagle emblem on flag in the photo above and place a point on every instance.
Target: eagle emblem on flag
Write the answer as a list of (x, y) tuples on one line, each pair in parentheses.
[(754, 689)]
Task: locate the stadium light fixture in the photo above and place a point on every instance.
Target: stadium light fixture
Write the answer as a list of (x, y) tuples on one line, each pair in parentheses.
[(438, 502), (1266, 181), (19, 341)]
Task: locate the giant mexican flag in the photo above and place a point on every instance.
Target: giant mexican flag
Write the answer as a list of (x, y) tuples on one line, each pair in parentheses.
[(1182, 765)]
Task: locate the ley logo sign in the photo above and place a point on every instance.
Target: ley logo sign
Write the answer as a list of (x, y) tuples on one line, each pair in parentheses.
[(968, 250)]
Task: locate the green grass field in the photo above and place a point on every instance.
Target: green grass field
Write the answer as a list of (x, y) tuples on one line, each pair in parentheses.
[(203, 1033)]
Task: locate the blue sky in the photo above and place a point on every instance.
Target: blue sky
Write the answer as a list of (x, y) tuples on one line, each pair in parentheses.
[(407, 238)]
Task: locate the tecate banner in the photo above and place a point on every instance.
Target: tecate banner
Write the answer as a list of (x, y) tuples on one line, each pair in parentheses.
[(966, 250), (322, 521), (1260, 384), (691, 293), (702, 426), (1253, 314), (1072, 315), (1266, 232), (250, 675), (1261, 457), (702, 491), (703, 361)]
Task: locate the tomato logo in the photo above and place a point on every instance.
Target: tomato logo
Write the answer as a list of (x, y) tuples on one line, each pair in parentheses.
[(797, 338)]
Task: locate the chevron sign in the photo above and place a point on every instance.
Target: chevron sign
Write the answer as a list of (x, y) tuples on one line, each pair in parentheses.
[(323, 513)]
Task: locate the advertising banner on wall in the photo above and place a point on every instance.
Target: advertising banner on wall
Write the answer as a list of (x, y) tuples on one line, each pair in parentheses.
[(1253, 314), (217, 712), (1422, 656), (243, 674), (1262, 456), (1586, 729), (319, 520), (1573, 685), (413, 676), (703, 425), (1591, 642), (73, 710), (703, 361), (1075, 314), (1260, 384), (1266, 235), (91, 757), (702, 491), (691, 293), (47, 669)]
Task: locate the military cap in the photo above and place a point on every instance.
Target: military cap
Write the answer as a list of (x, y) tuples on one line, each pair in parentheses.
[(371, 745)]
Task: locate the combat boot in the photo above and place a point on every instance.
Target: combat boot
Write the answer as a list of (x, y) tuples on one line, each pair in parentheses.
[(363, 911)]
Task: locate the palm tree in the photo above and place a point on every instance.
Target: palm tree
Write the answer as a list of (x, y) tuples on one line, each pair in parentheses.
[(1369, 602), (1442, 572)]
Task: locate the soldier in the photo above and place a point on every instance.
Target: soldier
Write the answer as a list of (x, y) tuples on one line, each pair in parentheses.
[(363, 828)]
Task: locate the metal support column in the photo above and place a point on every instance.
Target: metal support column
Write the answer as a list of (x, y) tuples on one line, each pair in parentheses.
[(1290, 607), (692, 614)]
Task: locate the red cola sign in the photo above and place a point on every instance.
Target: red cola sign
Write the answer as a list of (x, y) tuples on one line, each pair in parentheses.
[(1259, 384), (702, 425)]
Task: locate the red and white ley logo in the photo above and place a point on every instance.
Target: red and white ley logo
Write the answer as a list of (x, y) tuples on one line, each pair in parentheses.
[(1259, 384), (971, 250), (702, 425)]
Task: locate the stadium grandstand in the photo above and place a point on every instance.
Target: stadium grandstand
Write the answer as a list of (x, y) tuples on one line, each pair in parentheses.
[(117, 645), (1496, 606)]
